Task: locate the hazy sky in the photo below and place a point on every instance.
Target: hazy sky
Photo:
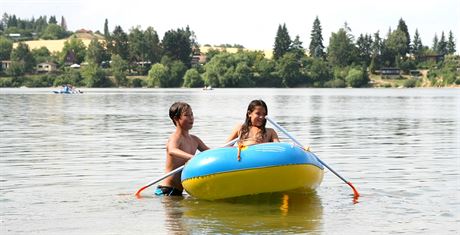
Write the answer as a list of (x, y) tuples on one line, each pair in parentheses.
[(251, 23)]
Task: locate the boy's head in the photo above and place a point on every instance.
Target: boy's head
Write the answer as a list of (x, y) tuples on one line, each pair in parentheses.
[(177, 109)]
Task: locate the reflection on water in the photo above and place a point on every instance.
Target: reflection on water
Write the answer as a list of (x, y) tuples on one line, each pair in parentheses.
[(292, 212)]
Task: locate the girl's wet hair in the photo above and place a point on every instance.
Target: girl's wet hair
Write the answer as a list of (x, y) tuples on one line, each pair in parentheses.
[(177, 109), (247, 123)]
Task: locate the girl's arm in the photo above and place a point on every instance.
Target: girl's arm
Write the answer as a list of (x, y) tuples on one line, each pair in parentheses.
[(274, 136), (234, 134)]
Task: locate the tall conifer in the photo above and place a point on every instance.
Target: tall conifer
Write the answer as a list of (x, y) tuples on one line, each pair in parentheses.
[(282, 42), (316, 44)]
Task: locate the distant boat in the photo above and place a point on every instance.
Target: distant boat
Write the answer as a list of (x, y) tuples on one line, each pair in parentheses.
[(68, 90), (62, 92), (207, 88)]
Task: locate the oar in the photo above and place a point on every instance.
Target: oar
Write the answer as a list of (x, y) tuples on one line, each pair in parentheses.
[(179, 169), (356, 194)]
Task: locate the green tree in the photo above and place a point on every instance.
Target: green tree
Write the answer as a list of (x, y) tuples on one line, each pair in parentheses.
[(94, 76), (230, 70), (341, 50), (282, 42), (52, 32), (288, 69), (403, 27), (144, 47), (192, 78), (376, 52), (6, 46), (364, 46), (319, 72), (451, 43), (22, 56), (417, 46), (373, 66), (177, 45), (52, 20), (119, 43), (106, 30), (357, 78), (211, 53), (15, 70), (154, 50), (219, 71), (69, 76), (264, 73), (137, 45), (95, 53), (394, 48), (63, 23), (435, 43), (158, 76), (442, 45), (243, 75), (297, 48), (42, 54), (40, 24), (119, 68), (74, 51), (108, 40), (176, 73), (316, 44)]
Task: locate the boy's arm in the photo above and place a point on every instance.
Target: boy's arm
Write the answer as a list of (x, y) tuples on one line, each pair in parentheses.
[(173, 149), (201, 145)]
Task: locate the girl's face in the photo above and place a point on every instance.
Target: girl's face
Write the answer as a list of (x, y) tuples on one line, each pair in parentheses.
[(257, 116), (186, 120)]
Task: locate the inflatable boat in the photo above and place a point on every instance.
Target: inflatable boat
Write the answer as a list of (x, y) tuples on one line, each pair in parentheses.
[(262, 168)]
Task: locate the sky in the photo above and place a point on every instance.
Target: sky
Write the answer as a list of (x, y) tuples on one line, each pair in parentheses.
[(251, 23)]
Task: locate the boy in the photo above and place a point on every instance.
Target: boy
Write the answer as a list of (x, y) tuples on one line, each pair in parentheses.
[(180, 148)]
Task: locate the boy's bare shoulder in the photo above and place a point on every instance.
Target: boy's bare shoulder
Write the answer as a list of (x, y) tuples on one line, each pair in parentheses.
[(173, 137), (196, 138)]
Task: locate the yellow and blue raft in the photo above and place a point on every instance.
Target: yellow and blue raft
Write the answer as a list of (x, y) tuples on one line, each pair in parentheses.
[(262, 168)]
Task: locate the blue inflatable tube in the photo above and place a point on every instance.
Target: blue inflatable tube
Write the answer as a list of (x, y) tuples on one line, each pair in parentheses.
[(270, 167)]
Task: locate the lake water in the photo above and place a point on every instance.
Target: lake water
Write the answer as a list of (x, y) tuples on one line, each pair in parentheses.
[(70, 164)]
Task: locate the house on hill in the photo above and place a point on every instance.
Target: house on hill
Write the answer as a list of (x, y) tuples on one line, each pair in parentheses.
[(435, 58), (46, 67), (5, 64), (390, 72)]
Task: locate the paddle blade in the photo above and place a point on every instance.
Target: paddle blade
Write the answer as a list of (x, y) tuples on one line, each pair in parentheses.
[(138, 193), (355, 192)]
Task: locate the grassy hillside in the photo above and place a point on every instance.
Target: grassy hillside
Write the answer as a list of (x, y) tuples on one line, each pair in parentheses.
[(57, 45)]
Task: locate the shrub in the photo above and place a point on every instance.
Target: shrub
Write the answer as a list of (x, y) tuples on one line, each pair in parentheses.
[(357, 78), (336, 83), (410, 83), (137, 82), (6, 82), (40, 81), (192, 78)]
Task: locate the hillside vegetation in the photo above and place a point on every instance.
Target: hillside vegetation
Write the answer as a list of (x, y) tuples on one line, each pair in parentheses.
[(41, 52)]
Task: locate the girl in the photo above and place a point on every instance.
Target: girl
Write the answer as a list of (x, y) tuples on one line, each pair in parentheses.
[(253, 130)]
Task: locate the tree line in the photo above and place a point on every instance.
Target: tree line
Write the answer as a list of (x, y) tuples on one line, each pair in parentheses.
[(139, 58)]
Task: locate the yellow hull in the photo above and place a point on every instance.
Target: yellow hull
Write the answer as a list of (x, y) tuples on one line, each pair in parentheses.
[(254, 181)]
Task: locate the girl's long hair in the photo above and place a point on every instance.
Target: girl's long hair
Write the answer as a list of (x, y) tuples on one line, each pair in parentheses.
[(247, 123)]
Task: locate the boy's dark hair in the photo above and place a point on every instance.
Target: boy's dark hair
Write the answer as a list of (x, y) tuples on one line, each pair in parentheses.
[(177, 109)]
